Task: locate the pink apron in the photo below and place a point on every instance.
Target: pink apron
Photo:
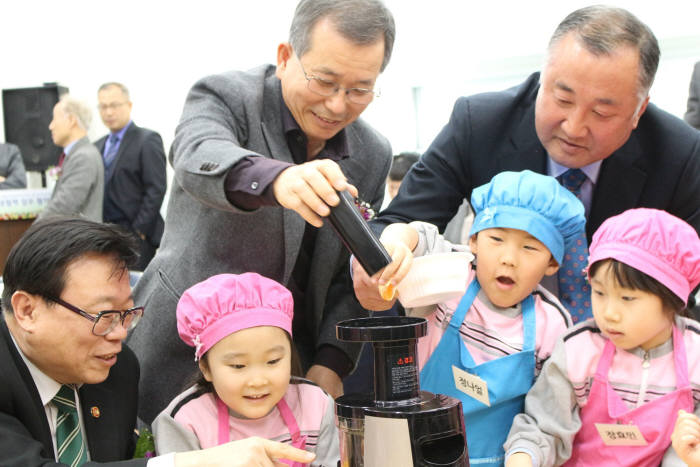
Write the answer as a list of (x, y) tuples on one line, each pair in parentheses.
[(298, 441), (655, 419)]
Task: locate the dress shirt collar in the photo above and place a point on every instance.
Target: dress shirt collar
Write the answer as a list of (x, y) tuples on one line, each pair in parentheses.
[(591, 170), (68, 148), (335, 149), (120, 133), (47, 386)]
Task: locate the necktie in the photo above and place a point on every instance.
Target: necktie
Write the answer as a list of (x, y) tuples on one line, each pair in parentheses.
[(69, 440), (110, 151), (61, 158), (574, 290)]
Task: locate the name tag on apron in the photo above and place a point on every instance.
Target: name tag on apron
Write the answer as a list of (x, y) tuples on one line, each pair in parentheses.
[(620, 435), (471, 385)]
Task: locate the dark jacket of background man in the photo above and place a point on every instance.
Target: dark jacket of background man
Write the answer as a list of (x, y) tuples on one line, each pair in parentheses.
[(12, 174), (135, 183)]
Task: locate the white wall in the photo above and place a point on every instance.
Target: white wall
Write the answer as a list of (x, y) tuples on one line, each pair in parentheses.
[(447, 48)]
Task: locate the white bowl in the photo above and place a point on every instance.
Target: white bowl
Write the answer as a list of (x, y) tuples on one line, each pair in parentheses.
[(435, 279)]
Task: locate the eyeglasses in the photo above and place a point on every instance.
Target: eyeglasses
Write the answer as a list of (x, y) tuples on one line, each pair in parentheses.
[(112, 106), (326, 88), (105, 321)]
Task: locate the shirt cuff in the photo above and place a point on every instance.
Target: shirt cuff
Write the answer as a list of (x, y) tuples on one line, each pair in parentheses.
[(533, 457), (167, 460), (334, 359), (248, 183)]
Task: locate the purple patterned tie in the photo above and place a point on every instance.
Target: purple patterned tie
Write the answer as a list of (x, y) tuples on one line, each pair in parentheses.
[(574, 290), (110, 151)]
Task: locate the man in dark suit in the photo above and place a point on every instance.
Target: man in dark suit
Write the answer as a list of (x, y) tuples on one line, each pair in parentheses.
[(135, 179), (258, 157), (12, 173), (57, 339), (589, 110)]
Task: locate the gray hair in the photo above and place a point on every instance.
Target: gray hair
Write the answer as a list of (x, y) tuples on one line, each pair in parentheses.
[(78, 109), (123, 88), (601, 29), (362, 22)]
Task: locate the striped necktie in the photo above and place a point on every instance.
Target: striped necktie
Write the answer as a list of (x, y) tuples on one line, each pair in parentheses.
[(111, 150), (574, 290), (69, 440)]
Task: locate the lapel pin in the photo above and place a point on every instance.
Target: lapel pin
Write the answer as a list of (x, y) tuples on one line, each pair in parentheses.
[(95, 412)]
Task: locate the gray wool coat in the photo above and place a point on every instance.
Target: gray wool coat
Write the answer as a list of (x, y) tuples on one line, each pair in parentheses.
[(80, 188), (227, 117)]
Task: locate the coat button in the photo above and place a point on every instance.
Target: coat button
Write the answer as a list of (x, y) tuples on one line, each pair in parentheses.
[(254, 185)]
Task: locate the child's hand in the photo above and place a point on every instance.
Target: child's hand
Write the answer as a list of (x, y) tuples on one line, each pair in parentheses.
[(686, 438), (519, 459), (399, 241)]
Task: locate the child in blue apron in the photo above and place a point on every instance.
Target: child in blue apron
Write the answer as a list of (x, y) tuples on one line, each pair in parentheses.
[(487, 347)]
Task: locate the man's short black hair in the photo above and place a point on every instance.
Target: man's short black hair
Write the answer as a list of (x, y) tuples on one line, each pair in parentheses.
[(37, 263), (401, 164)]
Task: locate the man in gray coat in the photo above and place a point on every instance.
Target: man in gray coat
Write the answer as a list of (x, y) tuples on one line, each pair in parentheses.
[(692, 115), (80, 186), (256, 154), (12, 174)]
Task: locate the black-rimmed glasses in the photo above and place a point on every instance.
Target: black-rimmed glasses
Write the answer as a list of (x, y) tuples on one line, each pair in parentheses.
[(104, 322), (327, 88)]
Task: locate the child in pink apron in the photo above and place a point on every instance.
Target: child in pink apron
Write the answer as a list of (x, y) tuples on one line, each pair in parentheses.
[(241, 327), (610, 392)]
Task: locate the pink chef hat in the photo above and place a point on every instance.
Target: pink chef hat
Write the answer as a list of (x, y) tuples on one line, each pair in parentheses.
[(223, 304), (654, 242)]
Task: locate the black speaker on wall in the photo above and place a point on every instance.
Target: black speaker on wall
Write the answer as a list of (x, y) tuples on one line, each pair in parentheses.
[(28, 112)]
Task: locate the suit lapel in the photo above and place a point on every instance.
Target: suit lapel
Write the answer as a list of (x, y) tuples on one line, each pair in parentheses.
[(613, 193), (98, 407), (40, 427), (525, 152), (273, 132), (100, 144)]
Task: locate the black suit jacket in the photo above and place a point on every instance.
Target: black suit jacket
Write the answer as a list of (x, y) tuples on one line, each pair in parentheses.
[(658, 167), (25, 438), (137, 183)]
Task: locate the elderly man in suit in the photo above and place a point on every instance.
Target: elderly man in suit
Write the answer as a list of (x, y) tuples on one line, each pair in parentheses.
[(69, 387), (586, 116), (134, 162), (12, 174), (258, 157), (692, 114), (80, 185)]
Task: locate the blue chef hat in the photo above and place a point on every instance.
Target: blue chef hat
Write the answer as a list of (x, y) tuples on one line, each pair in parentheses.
[(535, 203)]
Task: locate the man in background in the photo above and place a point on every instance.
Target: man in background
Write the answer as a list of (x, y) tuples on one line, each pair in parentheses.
[(400, 165), (457, 229), (692, 115), (12, 174), (135, 180), (80, 185)]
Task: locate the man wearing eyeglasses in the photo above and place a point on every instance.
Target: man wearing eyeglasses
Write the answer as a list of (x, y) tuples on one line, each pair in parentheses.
[(69, 387), (134, 161), (258, 157), (80, 186)]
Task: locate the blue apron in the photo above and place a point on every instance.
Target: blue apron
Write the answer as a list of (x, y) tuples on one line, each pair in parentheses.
[(508, 378)]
